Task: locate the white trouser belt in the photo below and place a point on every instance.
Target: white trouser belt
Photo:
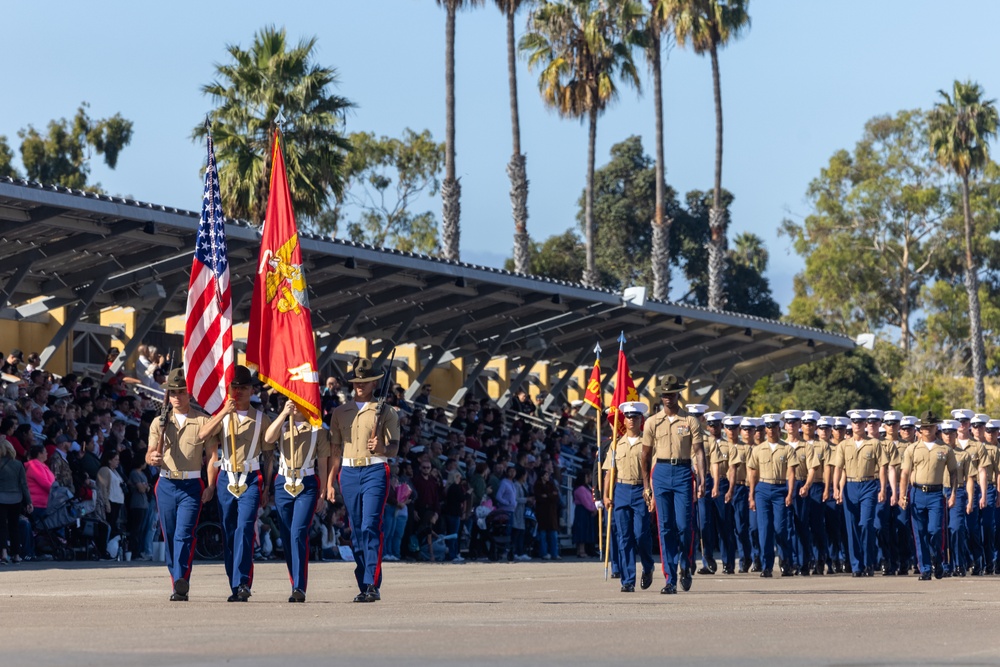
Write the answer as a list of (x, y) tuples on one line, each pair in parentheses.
[(181, 474), (249, 466), (364, 461), (296, 473)]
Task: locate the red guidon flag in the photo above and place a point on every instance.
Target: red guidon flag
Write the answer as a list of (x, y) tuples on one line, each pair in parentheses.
[(592, 397), (280, 344), (624, 390)]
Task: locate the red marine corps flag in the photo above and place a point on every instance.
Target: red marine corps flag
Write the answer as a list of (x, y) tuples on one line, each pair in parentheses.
[(280, 342), (624, 391)]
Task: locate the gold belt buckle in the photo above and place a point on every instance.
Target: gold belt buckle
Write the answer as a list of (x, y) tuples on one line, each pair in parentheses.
[(239, 467), (175, 474), (365, 461)]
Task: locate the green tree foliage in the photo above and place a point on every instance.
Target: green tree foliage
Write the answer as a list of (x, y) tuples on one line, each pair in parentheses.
[(832, 386), (7, 168), (874, 230), (560, 257), (584, 48), (250, 90), (961, 127), (61, 156), (384, 176)]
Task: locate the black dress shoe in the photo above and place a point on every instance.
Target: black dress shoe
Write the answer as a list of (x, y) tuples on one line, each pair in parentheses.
[(818, 571), (727, 569), (181, 586), (177, 597), (857, 574), (925, 576), (234, 598), (628, 588), (712, 565), (298, 595), (685, 579), (669, 589), (705, 570), (360, 597), (870, 572), (243, 592), (804, 572), (744, 567), (785, 572), (756, 567), (938, 570), (646, 580), (615, 575), (767, 574), (372, 594)]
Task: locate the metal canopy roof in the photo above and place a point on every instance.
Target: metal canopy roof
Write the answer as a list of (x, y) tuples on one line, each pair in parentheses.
[(70, 246)]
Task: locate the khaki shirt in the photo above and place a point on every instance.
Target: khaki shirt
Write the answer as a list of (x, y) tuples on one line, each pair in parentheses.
[(719, 452), (739, 454), (243, 436), (295, 444), (772, 466), (860, 462), (182, 450), (968, 464), (989, 461), (806, 458), (362, 427), (626, 461), (928, 466), (894, 450), (672, 439)]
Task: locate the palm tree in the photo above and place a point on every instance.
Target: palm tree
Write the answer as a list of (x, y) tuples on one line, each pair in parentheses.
[(451, 189), (516, 168), (657, 27), (583, 47), (249, 92), (709, 25), (961, 127)]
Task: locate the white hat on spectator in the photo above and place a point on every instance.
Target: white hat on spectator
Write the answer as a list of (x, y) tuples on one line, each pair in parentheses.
[(633, 407), (417, 449), (948, 425), (892, 416), (993, 424), (732, 421), (841, 422), (791, 415), (857, 415), (908, 422), (771, 419), (59, 392), (980, 419), (810, 416), (715, 416), (696, 408), (963, 413), (875, 414)]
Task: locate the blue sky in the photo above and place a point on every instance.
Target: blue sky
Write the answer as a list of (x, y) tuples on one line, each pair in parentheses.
[(796, 88)]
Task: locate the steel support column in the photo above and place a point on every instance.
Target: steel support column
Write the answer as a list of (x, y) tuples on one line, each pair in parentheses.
[(390, 344), (333, 340), (563, 381), (651, 376), (86, 298), (16, 278), (144, 327), (518, 380), (477, 370)]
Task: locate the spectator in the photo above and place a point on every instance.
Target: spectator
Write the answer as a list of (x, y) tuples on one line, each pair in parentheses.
[(584, 513), (547, 513), (517, 524), (424, 397), (432, 545), (427, 484), (456, 505), (138, 504), (14, 360), (8, 432), (58, 461), (396, 514), (14, 495), (40, 480)]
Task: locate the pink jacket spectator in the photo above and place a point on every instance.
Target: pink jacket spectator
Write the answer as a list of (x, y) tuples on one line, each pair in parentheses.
[(585, 497), (40, 480)]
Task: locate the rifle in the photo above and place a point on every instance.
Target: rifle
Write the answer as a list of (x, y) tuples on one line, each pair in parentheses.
[(383, 392), (165, 410)]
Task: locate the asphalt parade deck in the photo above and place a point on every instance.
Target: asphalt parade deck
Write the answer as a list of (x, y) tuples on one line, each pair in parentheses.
[(489, 614)]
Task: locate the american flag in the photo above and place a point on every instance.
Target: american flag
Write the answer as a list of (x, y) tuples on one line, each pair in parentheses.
[(208, 331)]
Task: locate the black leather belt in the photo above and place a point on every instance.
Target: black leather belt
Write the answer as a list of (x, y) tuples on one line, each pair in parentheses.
[(929, 488), (676, 462), (739, 483)]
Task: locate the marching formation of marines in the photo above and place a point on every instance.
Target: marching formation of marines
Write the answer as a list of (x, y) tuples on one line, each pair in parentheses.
[(873, 491)]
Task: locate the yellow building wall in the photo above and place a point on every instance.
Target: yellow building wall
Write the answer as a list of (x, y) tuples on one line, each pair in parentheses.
[(34, 336)]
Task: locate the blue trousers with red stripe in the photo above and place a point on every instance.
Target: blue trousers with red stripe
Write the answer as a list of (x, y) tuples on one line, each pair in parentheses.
[(365, 490), (239, 515), (673, 488), (927, 512), (631, 523), (860, 506), (179, 504), (296, 514)]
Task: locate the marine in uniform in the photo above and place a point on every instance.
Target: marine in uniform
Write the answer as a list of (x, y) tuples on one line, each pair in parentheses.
[(771, 469), (958, 486), (812, 491), (718, 455), (361, 463), (180, 490), (299, 488), (623, 474), (706, 534), (860, 470), (238, 431), (673, 439), (798, 532), (885, 551), (903, 527), (737, 496), (970, 437), (921, 483), (989, 469), (833, 516)]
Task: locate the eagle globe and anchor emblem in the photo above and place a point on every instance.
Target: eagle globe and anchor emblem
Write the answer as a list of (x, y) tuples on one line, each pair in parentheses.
[(284, 280)]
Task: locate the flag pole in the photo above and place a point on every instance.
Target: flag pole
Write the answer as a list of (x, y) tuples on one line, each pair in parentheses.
[(600, 467), (611, 452)]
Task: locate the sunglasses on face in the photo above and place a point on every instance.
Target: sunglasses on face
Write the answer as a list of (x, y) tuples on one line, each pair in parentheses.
[(992, 430), (855, 421), (792, 421), (874, 421)]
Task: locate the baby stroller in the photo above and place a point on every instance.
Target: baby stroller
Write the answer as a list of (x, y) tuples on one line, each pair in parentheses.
[(497, 535), (60, 533)]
